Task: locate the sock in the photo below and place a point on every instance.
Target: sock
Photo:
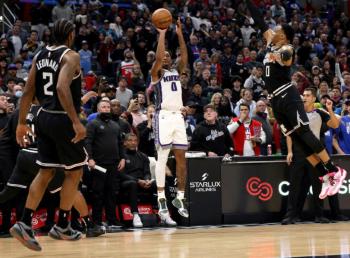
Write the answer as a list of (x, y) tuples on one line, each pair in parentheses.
[(87, 221), (27, 217), (180, 195), (321, 168), (161, 194), (330, 166), (63, 218)]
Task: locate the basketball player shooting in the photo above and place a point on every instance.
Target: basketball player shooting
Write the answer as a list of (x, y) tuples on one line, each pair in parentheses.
[(288, 106), (169, 123)]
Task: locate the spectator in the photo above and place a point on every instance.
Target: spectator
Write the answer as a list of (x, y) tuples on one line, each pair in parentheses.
[(236, 89), (21, 72), (247, 133), (246, 31), (137, 82), (216, 100), (239, 68), (211, 136), (33, 44), (261, 115), (116, 110), (341, 140), (105, 149), (3, 112), (127, 65), (247, 98), (255, 82), (124, 95), (213, 87), (85, 57), (62, 11), (277, 10), (16, 39), (146, 133), (136, 176), (135, 110)]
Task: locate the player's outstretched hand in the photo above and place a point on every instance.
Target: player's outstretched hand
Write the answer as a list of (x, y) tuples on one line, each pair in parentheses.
[(162, 31), (80, 132), (22, 133)]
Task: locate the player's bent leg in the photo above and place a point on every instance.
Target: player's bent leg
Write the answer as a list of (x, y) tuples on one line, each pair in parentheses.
[(8, 193)]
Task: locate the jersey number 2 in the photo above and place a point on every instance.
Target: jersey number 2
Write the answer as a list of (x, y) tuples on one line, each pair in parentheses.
[(173, 86), (48, 84)]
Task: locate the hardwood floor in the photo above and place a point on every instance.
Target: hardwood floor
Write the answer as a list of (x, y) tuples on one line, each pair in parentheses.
[(241, 241)]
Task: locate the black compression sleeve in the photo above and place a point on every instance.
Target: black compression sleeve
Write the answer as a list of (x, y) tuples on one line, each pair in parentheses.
[(257, 16)]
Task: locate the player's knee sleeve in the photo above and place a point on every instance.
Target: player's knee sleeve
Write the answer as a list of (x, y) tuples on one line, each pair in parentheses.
[(307, 136), (160, 166)]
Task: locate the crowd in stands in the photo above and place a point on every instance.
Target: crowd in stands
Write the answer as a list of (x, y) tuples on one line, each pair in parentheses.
[(227, 105)]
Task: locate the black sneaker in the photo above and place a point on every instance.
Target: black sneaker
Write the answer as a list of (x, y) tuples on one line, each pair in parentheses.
[(321, 220), (25, 235), (181, 207), (95, 231), (64, 233), (288, 221)]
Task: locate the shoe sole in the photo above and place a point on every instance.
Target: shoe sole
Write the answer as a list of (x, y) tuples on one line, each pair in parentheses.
[(95, 234), (18, 235)]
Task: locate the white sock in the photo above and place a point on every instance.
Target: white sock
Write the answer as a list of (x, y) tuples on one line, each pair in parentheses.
[(180, 194), (161, 194)]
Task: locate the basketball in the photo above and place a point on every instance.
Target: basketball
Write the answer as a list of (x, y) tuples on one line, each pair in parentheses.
[(161, 18)]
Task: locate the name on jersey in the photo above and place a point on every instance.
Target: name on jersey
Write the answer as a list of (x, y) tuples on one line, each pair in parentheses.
[(170, 78), (47, 63)]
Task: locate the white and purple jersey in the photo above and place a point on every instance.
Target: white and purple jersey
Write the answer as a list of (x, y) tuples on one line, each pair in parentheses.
[(168, 91)]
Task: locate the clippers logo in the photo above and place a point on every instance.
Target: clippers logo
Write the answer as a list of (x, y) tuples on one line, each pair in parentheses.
[(256, 187), (205, 176)]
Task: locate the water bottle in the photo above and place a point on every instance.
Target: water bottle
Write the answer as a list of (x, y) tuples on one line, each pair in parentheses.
[(269, 150)]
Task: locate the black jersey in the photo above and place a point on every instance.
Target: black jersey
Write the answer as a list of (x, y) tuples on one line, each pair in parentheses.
[(275, 74), (47, 70)]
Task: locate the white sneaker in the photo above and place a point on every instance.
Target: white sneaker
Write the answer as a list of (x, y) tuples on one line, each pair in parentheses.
[(325, 186), (162, 206), (136, 222), (166, 220)]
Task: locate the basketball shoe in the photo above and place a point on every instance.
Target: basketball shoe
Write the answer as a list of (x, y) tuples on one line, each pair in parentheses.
[(65, 233), (164, 215), (180, 205), (325, 185), (336, 181), (25, 235)]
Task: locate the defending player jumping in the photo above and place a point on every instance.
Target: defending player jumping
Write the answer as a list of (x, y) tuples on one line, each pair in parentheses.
[(286, 102)]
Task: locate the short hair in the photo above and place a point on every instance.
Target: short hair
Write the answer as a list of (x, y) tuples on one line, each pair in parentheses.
[(244, 105), (312, 90), (289, 32), (211, 106), (61, 30), (129, 135), (101, 101)]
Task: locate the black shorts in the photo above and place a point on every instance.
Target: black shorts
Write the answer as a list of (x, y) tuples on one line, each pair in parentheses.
[(26, 170), (56, 149), (288, 108)]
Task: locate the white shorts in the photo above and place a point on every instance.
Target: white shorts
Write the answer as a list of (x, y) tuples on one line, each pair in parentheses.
[(170, 130)]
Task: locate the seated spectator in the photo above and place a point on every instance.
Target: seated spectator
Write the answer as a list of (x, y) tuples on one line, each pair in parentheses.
[(236, 89), (225, 112), (216, 100), (211, 136), (3, 112), (116, 110), (21, 72), (136, 176), (247, 133), (197, 95), (137, 81)]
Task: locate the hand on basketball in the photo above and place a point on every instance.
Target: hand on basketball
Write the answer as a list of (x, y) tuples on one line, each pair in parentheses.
[(329, 105), (162, 31), (80, 132), (22, 133)]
